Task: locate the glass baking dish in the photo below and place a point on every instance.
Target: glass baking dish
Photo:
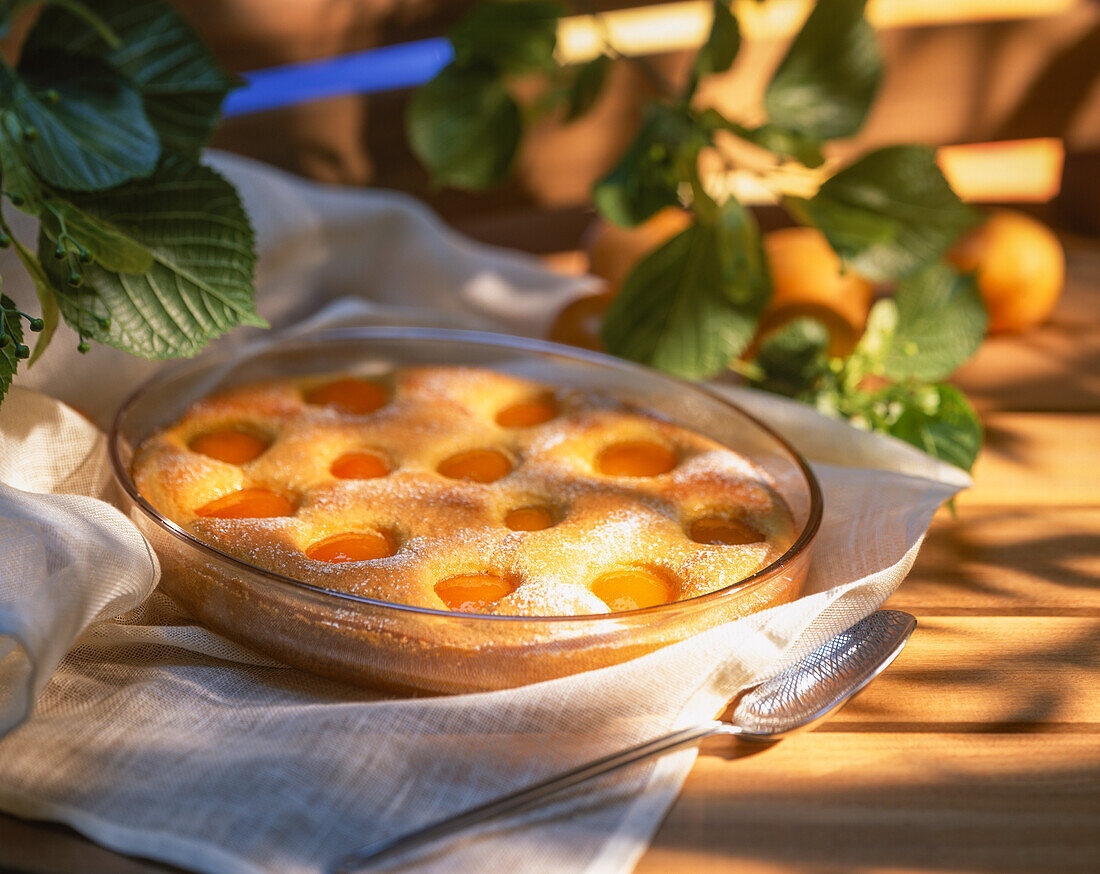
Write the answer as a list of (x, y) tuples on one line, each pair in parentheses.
[(415, 649)]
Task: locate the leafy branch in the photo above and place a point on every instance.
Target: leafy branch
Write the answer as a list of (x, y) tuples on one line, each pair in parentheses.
[(692, 305), (890, 382), (102, 122)]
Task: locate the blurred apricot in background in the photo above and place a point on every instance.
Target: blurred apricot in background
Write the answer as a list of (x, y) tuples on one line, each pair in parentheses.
[(808, 279), (1020, 266), (612, 253)]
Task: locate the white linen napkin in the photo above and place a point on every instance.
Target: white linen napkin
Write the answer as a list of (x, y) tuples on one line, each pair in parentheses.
[(153, 736)]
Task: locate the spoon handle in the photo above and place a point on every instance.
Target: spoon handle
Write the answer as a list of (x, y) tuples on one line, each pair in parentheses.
[(529, 795)]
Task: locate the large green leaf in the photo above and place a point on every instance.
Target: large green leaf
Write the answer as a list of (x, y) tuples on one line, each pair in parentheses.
[(825, 84), (941, 322), (792, 359), (513, 36), (691, 305), (723, 42), (95, 135), (464, 127), (647, 177), (200, 282), (181, 83), (889, 213), (12, 327), (109, 247), (940, 420)]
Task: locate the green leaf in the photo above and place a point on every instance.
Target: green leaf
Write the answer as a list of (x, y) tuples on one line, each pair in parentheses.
[(793, 358), (786, 143), (464, 127), (10, 8), (826, 82), (18, 180), (691, 305), (940, 421), (111, 248), (181, 83), (647, 178), (200, 284), (512, 37), (720, 49), (584, 90), (95, 136), (13, 329), (941, 322), (46, 298), (889, 213)]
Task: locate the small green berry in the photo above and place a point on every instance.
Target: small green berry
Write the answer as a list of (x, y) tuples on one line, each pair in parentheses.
[(83, 347), (52, 96), (84, 256), (37, 325), (104, 324), (3, 340), (5, 241), (59, 252), (75, 279), (30, 134), (22, 351)]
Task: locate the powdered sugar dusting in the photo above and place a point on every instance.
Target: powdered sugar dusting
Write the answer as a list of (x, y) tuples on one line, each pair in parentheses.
[(441, 527)]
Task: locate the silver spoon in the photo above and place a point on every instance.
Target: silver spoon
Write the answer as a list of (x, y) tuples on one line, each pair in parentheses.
[(802, 694)]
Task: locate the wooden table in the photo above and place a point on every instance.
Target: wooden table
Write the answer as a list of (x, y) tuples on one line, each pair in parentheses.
[(979, 749)]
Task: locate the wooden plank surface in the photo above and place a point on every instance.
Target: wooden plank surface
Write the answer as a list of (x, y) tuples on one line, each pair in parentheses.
[(832, 803), (1007, 560), (979, 673), (1037, 458)]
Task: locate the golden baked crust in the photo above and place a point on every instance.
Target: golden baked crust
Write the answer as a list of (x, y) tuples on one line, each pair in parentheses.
[(443, 527)]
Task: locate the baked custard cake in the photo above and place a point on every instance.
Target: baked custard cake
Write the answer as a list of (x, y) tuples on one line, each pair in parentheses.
[(464, 489)]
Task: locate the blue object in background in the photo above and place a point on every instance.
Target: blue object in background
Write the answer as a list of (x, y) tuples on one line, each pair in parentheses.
[(385, 69)]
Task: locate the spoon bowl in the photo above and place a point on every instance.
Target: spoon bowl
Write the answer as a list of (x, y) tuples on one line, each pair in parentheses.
[(820, 682)]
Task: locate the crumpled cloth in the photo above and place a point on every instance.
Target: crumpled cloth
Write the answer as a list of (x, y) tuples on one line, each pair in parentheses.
[(128, 721)]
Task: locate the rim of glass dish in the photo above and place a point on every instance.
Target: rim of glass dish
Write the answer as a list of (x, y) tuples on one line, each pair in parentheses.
[(484, 338)]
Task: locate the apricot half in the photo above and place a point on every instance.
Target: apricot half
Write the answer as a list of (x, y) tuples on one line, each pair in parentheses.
[(230, 445), (476, 465), (637, 458), (359, 464), (472, 593), (357, 396), (632, 589), (526, 414), (529, 518), (723, 531), (255, 503), (354, 546)]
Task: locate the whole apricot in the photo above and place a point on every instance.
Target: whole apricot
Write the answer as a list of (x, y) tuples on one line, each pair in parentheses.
[(578, 323), (808, 279), (1020, 266), (613, 250), (612, 253)]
